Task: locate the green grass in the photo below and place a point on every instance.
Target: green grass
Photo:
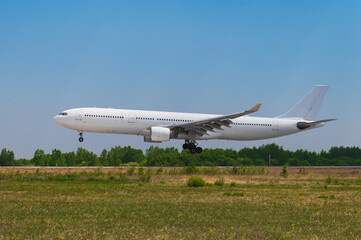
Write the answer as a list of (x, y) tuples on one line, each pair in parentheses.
[(116, 206)]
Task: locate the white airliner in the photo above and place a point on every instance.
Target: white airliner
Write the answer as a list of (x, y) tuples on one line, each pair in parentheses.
[(162, 126)]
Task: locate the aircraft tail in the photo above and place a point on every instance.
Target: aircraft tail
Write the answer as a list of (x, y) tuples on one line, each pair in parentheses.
[(309, 105)]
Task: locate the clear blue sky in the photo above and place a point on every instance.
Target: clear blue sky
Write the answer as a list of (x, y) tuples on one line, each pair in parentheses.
[(189, 56)]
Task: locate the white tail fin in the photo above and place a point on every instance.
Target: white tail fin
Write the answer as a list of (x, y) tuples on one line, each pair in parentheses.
[(309, 105)]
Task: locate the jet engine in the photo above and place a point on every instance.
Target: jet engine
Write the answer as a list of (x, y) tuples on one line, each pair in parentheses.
[(158, 134)]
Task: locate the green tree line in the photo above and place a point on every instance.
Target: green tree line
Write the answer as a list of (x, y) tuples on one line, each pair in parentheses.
[(265, 155)]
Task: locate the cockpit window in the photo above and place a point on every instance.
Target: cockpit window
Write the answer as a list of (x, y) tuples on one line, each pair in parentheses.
[(63, 113)]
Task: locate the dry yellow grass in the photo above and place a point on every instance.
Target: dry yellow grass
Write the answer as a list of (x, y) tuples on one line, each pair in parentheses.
[(272, 174)]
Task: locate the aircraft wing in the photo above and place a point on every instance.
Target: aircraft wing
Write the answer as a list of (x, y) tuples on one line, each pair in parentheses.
[(203, 126)]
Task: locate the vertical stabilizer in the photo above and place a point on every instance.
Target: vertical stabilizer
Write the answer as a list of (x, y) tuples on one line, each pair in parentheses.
[(309, 105)]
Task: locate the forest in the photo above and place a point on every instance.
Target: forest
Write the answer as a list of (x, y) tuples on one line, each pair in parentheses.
[(265, 155)]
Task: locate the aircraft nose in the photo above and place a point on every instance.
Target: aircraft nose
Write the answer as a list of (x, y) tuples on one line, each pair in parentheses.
[(57, 120)]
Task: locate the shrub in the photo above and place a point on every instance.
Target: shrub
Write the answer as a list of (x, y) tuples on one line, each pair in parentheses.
[(173, 171), (3, 176), (219, 182), (336, 181), (130, 171), (159, 171), (235, 170), (122, 177), (196, 182), (327, 197), (303, 171), (60, 178), (131, 164), (140, 170), (245, 170), (191, 169), (235, 194), (51, 177), (210, 170), (284, 172), (233, 184), (144, 176), (70, 177), (328, 179)]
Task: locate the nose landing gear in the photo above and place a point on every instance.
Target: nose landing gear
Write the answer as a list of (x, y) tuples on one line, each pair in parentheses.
[(81, 139), (192, 146)]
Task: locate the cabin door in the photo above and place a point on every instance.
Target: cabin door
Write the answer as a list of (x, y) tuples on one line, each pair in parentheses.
[(131, 118), (78, 116), (275, 126)]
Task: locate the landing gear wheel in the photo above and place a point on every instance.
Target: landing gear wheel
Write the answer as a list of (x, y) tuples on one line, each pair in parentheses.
[(199, 150), (191, 146), (81, 139)]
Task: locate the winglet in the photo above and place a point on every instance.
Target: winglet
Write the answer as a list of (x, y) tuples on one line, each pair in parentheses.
[(255, 108)]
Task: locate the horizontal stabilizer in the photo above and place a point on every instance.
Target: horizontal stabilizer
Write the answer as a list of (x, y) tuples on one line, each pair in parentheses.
[(304, 125)]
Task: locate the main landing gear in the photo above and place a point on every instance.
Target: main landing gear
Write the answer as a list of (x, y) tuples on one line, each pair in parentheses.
[(192, 146), (81, 139)]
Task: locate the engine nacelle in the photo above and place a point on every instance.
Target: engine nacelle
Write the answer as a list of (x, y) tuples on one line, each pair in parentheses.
[(158, 134), (303, 125), (147, 139)]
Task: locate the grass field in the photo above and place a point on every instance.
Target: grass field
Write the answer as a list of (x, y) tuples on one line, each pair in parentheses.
[(156, 203)]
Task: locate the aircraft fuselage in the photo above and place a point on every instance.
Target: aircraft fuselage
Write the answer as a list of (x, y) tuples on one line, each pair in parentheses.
[(135, 122)]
